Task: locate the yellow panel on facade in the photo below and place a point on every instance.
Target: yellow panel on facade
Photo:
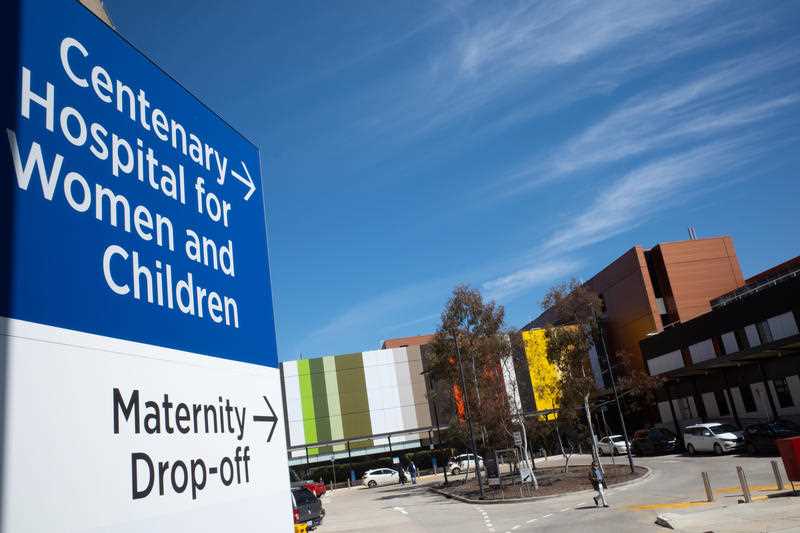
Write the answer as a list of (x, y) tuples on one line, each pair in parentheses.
[(544, 375)]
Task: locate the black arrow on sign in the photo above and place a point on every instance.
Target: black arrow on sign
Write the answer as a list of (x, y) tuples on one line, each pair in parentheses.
[(263, 418)]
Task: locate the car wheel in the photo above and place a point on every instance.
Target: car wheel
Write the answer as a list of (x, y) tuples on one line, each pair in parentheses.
[(718, 449), (614, 451), (690, 449), (751, 449), (456, 471), (372, 484)]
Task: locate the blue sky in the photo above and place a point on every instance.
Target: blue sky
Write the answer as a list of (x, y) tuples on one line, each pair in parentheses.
[(411, 146)]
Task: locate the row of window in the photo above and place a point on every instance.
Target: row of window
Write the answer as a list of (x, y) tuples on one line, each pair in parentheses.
[(774, 328), (783, 396)]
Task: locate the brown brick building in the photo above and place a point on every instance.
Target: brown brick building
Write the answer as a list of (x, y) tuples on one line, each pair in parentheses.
[(645, 290)]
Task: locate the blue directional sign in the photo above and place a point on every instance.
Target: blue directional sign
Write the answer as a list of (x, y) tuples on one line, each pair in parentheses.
[(129, 209)]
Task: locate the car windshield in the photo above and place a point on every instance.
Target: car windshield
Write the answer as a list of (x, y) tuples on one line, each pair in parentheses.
[(616, 438), (724, 428), (303, 496)]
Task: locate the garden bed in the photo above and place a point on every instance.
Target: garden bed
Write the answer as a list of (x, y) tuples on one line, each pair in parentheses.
[(552, 481)]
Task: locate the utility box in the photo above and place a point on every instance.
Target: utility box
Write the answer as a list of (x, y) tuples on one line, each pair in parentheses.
[(790, 453)]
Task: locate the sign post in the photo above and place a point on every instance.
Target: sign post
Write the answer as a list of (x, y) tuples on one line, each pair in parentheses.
[(139, 361)]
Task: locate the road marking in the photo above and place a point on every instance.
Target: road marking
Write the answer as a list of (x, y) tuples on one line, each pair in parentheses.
[(548, 515), (532, 520), (564, 510), (400, 509), (673, 505), (516, 527), (738, 489)]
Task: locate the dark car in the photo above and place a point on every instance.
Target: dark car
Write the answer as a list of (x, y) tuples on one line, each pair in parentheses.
[(654, 441), (306, 508), (760, 438)]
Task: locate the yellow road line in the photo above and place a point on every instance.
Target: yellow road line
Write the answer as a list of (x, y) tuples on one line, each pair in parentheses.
[(673, 505), (738, 489), (686, 505)]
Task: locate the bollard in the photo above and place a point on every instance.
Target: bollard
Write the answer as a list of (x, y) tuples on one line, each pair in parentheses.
[(744, 484), (707, 484), (777, 471)]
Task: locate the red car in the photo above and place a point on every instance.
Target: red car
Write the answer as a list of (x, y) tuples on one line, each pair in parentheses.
[(316, 487)]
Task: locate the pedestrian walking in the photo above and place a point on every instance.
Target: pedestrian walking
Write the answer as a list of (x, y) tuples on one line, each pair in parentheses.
[(402, 475), (412, 469), (598, 480)]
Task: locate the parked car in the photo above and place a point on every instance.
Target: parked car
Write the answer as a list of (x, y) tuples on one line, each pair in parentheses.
[(463, 463), (306, 508), (712, 437), (316, 487), (612, 445), (760, 438), (381, 476), (653, 441)]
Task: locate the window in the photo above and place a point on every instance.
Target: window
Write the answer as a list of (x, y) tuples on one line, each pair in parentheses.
[(729, 342), (764, 332), (783, 393), (752, 336), (747, 398), (722, 403), (683, 406)]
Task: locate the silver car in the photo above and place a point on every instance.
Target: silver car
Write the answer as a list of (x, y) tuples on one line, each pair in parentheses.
[(612, 445)]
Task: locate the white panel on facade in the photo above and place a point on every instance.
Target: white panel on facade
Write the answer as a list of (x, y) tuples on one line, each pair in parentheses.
[(381, 392), (294, 410), (665, 412), (594, 361), (783, 326), (710, 402), (729, 342), (760, 396), (512, 386), (752, 335), (665, 363), (692, 407), (702, 351)]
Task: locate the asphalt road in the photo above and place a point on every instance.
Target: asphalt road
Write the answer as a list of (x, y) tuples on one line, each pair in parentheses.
[(674, 485)]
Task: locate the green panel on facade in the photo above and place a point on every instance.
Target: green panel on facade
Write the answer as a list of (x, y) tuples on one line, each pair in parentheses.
[(323, 420), (353, 397), (307, 401)]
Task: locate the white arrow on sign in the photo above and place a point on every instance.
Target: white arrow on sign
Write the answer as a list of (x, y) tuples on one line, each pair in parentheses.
[(249, 181)]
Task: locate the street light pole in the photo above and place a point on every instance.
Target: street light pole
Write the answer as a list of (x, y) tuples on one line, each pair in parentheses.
[(466, 415), (616, 394)]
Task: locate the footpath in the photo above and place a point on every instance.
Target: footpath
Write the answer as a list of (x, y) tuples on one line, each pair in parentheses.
[(777, 513)]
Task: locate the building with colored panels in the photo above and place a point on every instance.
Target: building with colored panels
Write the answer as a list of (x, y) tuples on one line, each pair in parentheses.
[(542, 373), (531, 379), (354, 404)]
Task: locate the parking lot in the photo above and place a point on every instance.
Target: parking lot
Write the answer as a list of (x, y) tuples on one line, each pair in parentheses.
[(674, 485)]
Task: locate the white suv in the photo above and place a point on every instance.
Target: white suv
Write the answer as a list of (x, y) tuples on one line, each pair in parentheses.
[(381, 476), (462, 463), (712, 437)]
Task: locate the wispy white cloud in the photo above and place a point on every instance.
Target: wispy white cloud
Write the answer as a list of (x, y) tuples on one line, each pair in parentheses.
[(502, 52), (647, 190), (724, 97), (540, 273)]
